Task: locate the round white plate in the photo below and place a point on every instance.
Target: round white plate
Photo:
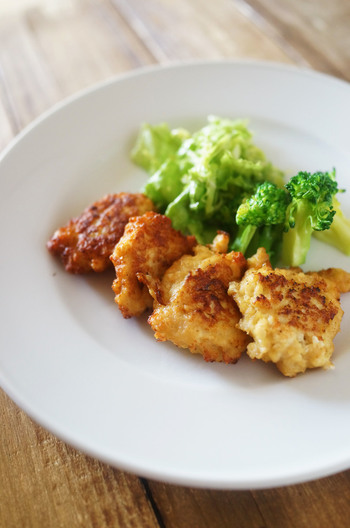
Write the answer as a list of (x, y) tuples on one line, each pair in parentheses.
[(103, 383)]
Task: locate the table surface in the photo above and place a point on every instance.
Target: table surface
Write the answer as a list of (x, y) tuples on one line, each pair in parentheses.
[(50, 49)]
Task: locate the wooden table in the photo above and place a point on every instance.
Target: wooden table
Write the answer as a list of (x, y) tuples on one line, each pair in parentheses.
[(50, 49)]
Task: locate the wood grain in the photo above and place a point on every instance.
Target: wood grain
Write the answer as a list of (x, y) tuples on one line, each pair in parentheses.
[(45, 483), (7, 131), (318, 504), (198, 29), (59, 53), (50, 49), (197, 508), (317, 31), (29, 88), (87, 44)]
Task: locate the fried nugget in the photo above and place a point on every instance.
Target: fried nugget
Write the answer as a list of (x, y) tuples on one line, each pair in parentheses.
[(87, 241), (338, 276), (148, 246), (292, 316), (192, 308)]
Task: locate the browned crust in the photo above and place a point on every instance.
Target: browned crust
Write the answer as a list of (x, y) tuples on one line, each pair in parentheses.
[(148, 246), (305, 306), (86, 242), (199, 314)]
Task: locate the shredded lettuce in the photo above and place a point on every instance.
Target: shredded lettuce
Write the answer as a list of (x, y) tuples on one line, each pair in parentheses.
[(199, 180)]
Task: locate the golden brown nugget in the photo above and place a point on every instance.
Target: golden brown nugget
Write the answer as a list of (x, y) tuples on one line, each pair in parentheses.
[(87, 241), (148, 246), (292, 316), (338, 276), (192, 308)]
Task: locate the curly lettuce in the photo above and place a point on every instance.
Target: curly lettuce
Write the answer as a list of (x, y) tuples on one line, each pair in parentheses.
[(199, 180)]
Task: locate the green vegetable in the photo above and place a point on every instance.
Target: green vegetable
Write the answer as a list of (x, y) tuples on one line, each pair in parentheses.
[(165, 184), (155, 145), (338, 235), (311, 209), (200, 180), (217, 179), (261, 220)]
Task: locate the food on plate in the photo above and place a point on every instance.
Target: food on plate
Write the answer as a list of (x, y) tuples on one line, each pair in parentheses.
[(291, 316), (200, 246), (339, 277), (283, 219), (86, 242), (192, 307), (338, 235), (260, 219), (310, 210), (148, 246), (216, 178), (200, 179)]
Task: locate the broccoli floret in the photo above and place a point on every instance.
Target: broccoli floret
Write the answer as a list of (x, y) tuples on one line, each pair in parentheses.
[(338, 235), (311, 209), (261, 219), (267, 206)]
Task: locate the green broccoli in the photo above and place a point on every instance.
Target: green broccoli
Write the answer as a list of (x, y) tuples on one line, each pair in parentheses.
[(311, 209), (338, 235), (217, 179), (260, 220)]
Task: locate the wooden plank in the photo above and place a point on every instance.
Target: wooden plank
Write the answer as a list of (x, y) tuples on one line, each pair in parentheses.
[(198, 29), (52, 485), (200, 508), (30, 88), (47, 55), (319, 504), (86, 44), (7, 128), (318, 31)]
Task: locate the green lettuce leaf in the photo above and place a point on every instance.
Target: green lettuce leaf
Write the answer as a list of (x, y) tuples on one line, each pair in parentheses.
[(200, 179)]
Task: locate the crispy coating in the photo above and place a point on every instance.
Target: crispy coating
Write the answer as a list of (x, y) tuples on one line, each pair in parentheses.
[(87, 241), (292, 316), (148, 246), (192, 308), (339, 277), (220, 242)]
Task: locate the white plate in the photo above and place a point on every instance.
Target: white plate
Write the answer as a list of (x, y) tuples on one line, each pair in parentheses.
[(102, 383)]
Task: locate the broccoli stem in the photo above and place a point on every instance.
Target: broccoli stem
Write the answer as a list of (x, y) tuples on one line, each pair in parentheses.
[(296, 241), (270, 238), (338, 235), (243, 238)]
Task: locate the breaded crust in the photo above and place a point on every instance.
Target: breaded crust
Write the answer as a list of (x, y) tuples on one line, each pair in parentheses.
[(87, 241), (192, 308), (148, 246), (339, 277), (292, 317)]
